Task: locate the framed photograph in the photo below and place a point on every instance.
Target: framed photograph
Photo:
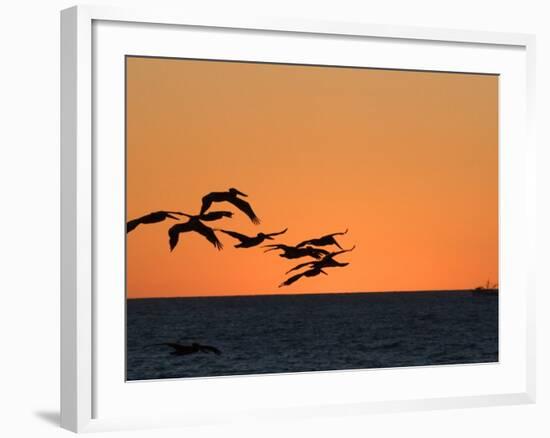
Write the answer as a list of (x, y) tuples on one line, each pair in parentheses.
[(253, 208)]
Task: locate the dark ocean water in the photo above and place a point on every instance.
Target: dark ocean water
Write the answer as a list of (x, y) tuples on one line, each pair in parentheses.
[(293, 333)]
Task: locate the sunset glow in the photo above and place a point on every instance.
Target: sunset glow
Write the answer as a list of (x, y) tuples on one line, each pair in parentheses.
[(407, 161)]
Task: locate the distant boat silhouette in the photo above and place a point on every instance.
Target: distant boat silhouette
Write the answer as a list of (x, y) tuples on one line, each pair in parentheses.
[(323, 241), (309, 273), (248, 241), (183, 350), (230, 196), (487, 290), (326, 262), (292, 252), (151, 218), (194, 224)]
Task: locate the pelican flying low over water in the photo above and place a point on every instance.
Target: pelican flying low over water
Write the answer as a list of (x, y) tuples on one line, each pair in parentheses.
[(184, 350), (250, 241), (151, 218), (230, 196)]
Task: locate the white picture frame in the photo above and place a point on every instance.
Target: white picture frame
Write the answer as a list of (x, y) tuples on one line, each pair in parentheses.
[(87, 376)]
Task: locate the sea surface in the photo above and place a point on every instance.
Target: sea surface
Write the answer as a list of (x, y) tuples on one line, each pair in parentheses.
[(295, 333)]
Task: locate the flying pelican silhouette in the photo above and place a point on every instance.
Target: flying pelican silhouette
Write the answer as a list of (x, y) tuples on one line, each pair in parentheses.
[(309, 273), (230, 196), (292, 252), (183, 350), (250, 241), (194, 224), (323, 241), (326, 262), (151, 218)]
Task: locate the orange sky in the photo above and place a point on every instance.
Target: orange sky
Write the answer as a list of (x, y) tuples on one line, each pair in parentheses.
[(408, 161)]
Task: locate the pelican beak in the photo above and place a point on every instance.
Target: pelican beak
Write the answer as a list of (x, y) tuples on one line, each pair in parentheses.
[(241, 193)]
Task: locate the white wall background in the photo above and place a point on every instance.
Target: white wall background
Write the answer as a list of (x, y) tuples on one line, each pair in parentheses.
[(29, 227)]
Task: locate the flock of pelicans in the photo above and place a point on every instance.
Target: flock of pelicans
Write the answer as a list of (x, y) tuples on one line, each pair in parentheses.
[(323, 258), (313, 248)]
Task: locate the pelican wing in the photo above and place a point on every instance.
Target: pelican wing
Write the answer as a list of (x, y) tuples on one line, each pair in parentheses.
[(145, 219), (306, 242), (274, 246), (131, 225), (292, 279), (271, 249), (209, 234), (245, 207), (206, 203), (327, 239), (300, 266), (211, 197), (331, 263), (174, 233), (151, 218), (236, 235), (215, 215), (336, 234), (278, 233), (334, 254), (316, 253)]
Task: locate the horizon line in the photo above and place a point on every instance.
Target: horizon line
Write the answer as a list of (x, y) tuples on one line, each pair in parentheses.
[(299, 293)]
